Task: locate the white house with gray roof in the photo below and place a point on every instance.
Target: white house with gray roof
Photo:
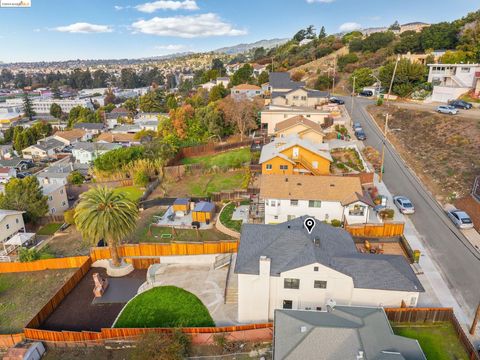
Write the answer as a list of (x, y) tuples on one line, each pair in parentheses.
[(87, 152), (284, 267), (341, 332)]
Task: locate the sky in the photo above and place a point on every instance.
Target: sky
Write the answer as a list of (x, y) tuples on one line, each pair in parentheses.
[(109, 29)]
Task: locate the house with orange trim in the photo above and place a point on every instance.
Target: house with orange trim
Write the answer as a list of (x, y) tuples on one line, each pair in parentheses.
[(293, 155), (305, 128)]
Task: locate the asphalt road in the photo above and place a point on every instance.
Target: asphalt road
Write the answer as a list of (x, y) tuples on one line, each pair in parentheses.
[(458, 261)]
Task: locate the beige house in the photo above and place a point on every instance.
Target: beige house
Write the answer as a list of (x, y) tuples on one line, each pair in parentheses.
[(70, 137), (298, 125), (57, 198), (12, 231), (274, 115), (300, 97)]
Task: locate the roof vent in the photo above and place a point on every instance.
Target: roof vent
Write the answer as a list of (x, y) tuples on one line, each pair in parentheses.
[(303, 329), (360, 355), (316, 241), (332, 185), (288, 226), (286, 179), (299, 184)]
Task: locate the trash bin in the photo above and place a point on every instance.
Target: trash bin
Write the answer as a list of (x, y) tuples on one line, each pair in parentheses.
[(416, 256)]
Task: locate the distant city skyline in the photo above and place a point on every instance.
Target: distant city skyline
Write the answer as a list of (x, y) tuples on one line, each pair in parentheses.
[(55, 30)]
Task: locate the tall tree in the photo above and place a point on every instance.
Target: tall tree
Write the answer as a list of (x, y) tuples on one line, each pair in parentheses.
[(25, 195), (105, 214), (242, 114), (109, 97), (153, 101), (56, 110), (27, 106), (322, 34), (242, 75)]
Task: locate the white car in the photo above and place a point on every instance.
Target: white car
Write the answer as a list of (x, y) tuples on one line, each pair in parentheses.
[(404, 204), (447, 109), (460, 219)]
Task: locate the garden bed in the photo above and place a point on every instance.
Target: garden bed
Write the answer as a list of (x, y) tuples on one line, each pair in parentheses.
[(346, 160), (164, 234), (439, 341), (225, 217), (22, 295), (165, 306)]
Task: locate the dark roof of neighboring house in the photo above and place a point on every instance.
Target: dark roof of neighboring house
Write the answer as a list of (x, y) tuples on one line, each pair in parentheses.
[(49, 144), (281, 80), (317, 93), (290, 246), (13, 162), (340, 333), (204, 206), (89, 126), (181, 201)]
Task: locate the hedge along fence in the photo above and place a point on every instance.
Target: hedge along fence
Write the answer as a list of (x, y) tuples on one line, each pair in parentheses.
[(376, 230), (154, 250), (56, 299), (46, 264), (202, 335)]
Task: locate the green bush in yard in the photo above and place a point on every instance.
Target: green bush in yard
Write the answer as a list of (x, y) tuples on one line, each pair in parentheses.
[(141, 178)]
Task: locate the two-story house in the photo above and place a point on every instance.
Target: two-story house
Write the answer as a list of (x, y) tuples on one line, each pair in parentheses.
[(301, 126), (245, 91), (326, 198), (70, 137), (7, 173), (300, 97), (43, 149), (452, 80), (294, 155), (286, 266), (12, 231), (273, 115), (56, 198)]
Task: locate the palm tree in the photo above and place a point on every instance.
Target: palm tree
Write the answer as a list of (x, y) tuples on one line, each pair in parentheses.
[(106, 214)]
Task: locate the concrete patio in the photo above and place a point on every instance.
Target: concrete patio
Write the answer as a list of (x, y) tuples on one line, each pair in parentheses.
[(180, 222)]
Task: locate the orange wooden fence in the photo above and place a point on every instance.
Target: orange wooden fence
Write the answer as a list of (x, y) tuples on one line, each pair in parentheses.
[(151, 249), (9, 340), (39, 265), (56, 299), (376, 230), (89, 337)]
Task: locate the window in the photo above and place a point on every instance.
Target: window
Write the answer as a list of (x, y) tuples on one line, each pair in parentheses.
[(315, 268), (8, 226), (291, 283), (64, 203), (283, 167), (293, 202), (50, 198), (304, 98), (53, 210), (308, 116), (356, 210), (295, 98), (413, 301), (61, 191), (268, 167), (273, 203), (314, 203), (16, 220), (465, 69), (320, 284), (275, 217), (287, 304), (315, 164)]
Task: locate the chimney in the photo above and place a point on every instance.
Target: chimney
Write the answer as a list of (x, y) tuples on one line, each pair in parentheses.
[(303, 329), (360, 355), (264, 266)]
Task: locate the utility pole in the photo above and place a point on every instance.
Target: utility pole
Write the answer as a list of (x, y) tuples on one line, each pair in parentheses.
[(353, 94), (475, 321), (386, 120), (334, 72)]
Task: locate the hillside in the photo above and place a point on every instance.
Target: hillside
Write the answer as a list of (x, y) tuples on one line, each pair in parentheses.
[(241, 48)]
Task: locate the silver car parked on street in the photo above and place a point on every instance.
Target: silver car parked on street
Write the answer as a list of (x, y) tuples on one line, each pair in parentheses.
[(460, 219)]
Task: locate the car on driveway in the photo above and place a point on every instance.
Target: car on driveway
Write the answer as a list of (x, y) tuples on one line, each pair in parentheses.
[(335, 100), (360, 134), (404, 204), (460, 104), (447, 109), (357, 126), (460, 219), (366, 93)]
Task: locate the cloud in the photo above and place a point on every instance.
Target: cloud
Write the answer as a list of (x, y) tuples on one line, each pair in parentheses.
[(151, 7), (118, 7), (350, 26), (84, 28), (170, 47), (202, 25), (36, 30), (319, 1)]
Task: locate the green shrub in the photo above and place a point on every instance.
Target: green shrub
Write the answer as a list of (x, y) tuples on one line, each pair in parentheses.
[(336, 223), (75, 178), (68, 216), (386, 214), (379, 101), (141, 178), (27, 255)]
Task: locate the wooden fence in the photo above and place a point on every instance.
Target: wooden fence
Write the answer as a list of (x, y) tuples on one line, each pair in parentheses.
[(56, 299), (113, 334), (47, 264), (9, 340), (376, 230), (432, 315), (153, 250)]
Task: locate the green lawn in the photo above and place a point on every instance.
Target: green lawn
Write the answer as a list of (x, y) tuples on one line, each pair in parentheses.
[(133, 193), (22, 295), (438, 341), (165, 306), (188, 235), (226, 218), (226, 160), (49, 229)]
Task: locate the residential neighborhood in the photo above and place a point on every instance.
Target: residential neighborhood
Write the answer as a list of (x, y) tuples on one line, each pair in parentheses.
[(183, 179)]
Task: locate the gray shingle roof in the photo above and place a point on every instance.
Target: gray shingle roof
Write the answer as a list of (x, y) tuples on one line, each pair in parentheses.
[(95, 146), (289, 246), (340, 334), (281, 80), (49, 144), (89, 126)]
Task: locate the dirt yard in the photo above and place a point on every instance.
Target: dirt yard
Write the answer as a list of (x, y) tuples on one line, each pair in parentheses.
[(345, 161), (443, 150)]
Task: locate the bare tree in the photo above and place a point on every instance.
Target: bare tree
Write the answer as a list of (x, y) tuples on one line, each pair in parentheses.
[(241, 113)]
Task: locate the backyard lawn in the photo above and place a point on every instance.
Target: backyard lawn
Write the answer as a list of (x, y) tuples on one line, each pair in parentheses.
[(188, 235), (165, 306), (226, 217), (226, 160), (204, 184), (22, 295), (133, 193), (438, 341), (49, 229)]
